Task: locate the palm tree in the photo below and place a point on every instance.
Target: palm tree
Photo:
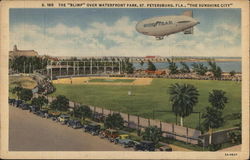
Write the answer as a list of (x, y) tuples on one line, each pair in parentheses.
[(185, 68), (216, 70), (212, 119), (199, 68), (183, 98), (142, 63), (213, 116), (217, 99), (173, 68)]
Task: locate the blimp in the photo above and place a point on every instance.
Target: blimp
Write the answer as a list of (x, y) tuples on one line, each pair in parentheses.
[(162, 26)]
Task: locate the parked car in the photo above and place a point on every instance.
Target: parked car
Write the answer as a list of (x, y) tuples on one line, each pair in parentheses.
[(165, 148), (33, 109), (63, 118), (11, 101), (102, 133), (24, 106), (111, 134), (42, 113), (93, 129), (145, 146), (121, 138), (54, 116), (130, 144), (74, 124), (17, 103)]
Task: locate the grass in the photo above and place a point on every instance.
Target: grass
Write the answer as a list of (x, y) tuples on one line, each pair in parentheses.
[(195, 147), (112, 80), (145, 99), (22, 81)]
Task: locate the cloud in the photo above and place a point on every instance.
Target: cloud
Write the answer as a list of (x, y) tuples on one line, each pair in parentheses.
[(121, 39), (62, 30)]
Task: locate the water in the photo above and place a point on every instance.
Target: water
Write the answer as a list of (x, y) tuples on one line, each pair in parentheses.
[(226, 66)]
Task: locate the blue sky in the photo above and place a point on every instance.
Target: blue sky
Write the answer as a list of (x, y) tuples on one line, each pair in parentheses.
[(111, 32)]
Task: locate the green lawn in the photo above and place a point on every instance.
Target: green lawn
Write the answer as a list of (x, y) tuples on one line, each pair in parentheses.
[(154, 96), (21, 81), (112, 80)]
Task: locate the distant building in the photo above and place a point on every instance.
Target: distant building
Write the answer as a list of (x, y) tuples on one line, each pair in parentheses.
[(150, 57), (17, 52)]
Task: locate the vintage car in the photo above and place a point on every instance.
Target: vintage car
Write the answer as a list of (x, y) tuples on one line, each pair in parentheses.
[(63, 118), (33, 109), (145, 146), (165, 148), (111, 134), (24, 106), (11, 101), (74, 124), (17, 103), (42, 113), (93, 128), (121, 138), (54, 115), (130, 143), (102, 133)]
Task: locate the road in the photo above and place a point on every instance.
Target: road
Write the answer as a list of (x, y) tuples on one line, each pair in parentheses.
[(28, 132)]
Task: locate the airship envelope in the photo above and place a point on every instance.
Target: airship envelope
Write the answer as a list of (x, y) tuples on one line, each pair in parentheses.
[(166, 25)]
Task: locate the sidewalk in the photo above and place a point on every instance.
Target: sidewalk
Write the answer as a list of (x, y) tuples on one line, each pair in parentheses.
[(177, 148)]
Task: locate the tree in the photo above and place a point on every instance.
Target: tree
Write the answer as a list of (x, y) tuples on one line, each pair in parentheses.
[(232, 73), (114, 121), (152, 133), (216, 70), (39, 101), (129, 67), (212, 118), (185, 68), (151, 66), (82, 111), (235, 135), (199, 68), (183, 98), (173, 68), (142, 63), (17, 91), (26, 94), (28, 64), (217, 99), (61, 103)]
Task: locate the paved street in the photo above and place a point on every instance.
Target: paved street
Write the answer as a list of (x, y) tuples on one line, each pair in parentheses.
[(28, 132)]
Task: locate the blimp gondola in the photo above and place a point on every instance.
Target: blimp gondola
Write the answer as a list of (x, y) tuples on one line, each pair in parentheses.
[(162, 26)]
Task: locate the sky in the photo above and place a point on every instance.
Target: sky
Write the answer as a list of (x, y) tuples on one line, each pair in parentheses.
[(111, 32)]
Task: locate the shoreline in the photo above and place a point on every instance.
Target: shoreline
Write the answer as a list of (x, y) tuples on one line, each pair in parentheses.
[(216, 60), (195, 60)]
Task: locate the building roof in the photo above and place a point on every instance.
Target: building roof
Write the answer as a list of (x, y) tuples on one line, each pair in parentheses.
[(17, 52)]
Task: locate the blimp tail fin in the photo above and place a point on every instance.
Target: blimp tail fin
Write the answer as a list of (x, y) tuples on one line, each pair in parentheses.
[(188, 13)]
